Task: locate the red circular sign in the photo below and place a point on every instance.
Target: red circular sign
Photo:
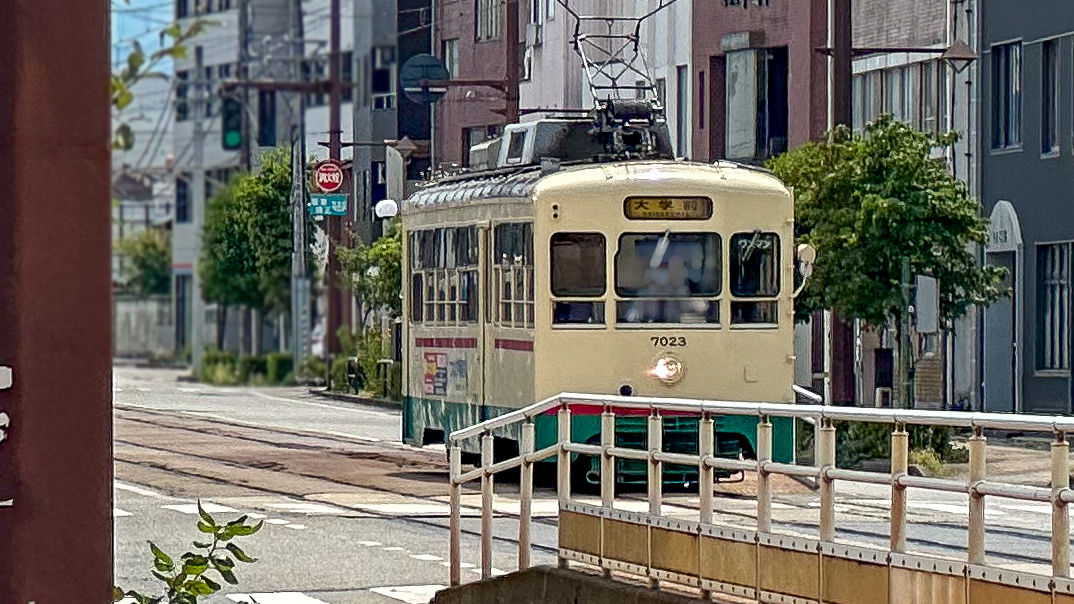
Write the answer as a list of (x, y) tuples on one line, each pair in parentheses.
[(328, 176)]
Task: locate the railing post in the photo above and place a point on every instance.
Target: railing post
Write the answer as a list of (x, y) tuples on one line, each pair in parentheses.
[(706, 439), (826, 454), (607, 462), (764, 480), (1060, 516), (526, 500), (900, 463), (656, 468), (563, 457), (455, 548), (486, 506), (975, 551)]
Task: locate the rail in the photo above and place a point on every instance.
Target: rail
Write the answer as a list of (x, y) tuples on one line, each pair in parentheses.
[(824, 471)]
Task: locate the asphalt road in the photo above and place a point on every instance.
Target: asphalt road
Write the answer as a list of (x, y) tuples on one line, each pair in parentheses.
[(352, 515)]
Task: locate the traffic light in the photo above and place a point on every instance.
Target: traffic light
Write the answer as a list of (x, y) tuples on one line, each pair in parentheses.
[(231, 118)]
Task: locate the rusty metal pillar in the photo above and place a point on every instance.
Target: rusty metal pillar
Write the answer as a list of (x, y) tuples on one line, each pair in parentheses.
[(55, 302)]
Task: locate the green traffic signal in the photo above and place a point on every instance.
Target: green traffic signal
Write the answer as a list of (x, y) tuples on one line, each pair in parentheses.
[(231, 121)]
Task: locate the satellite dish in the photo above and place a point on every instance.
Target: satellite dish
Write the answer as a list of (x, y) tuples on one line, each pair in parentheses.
[(386, 208), (428, 68)]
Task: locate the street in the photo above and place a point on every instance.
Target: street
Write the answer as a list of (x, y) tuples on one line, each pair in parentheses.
[(353, 516)]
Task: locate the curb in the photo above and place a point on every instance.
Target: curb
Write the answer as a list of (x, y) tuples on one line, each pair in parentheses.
[(355, 399)]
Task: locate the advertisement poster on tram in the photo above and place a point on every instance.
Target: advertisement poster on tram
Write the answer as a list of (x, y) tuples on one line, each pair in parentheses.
[(436, 373)]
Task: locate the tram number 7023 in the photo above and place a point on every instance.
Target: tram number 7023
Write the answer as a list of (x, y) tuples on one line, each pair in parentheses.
[(673, 341)]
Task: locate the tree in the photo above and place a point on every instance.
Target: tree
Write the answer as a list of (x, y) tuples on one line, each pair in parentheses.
[(150, 255), (227, 266), (266, 199), (373, 274), (870, 203)]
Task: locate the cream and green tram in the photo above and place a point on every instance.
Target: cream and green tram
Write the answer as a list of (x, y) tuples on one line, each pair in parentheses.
[(645, 278)]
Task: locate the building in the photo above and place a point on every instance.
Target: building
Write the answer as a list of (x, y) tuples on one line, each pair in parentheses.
[(229, 44), (1027, 165), (471, 40)]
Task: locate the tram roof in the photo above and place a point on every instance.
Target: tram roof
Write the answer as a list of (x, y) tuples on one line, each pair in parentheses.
[(522, 182)]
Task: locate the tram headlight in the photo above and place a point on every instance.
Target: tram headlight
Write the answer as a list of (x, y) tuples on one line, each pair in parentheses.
[(667, 369)]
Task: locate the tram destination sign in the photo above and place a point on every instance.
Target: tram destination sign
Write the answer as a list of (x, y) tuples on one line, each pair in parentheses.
[(668, 208)]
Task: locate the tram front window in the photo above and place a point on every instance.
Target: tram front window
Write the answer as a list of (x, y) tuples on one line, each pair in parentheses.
[(754, 274), (578, 271), (668, 278)]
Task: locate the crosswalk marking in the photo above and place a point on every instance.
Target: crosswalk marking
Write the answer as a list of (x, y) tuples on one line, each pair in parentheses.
[(411, 594), (192, 508), (426, 557), (278, 597), (118, 513), (307, 508)]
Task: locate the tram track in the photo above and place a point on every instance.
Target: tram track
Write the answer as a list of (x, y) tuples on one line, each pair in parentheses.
[(263, 435)]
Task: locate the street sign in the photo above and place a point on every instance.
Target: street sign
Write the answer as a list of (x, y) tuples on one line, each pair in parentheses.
[(423, 67), (328, 205), (328, 176)]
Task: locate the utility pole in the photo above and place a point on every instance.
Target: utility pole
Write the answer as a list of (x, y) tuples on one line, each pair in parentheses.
[(906, 346), (299, 278), (246, 152), (336, 235), (514, 63), (197, 323)]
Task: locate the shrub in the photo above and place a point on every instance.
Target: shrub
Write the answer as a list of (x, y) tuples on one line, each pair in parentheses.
[(252, 366), (927, 459), (370, 352), (312, 370), (218, 367), (340, 383), (278, 366)]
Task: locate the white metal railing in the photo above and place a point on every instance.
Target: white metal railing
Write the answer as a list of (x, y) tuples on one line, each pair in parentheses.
[(977, 487)]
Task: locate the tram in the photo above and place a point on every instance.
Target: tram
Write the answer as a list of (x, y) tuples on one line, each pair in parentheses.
[(563, 267)]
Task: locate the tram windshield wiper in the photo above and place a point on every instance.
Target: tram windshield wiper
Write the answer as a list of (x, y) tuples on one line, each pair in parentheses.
[(661, 249), (752, 245)]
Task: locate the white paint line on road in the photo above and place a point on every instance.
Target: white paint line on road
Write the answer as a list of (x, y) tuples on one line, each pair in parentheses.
[(1039, 508), (192, 508), (426, 557), (191, 390), (143, 389), (368, 439), (256, 516), (405, 509), (495, 572), (370, 543), (276, 521), (297, 527), (395, 549), (465, 565), (117, 390), (950, 508), (118, 513), (278, 597), (144, 492), (320, 405), (411, 594)]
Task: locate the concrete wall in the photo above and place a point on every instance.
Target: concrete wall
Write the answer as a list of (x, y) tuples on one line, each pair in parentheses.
[(142, 327), (545, 584)]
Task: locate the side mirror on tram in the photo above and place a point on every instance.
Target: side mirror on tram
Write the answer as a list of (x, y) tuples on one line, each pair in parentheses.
[(807, 256), (386, 208)]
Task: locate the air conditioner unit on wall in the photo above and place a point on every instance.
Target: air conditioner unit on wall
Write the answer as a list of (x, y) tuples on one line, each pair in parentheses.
[(533, 35)]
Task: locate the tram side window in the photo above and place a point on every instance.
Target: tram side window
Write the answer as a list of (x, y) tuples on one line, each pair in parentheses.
[(578, 271), (444, 276), (668, 278), (755, 272), (512, 267)]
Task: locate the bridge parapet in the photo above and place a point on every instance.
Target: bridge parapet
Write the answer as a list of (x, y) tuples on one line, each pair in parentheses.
[(759, 563)]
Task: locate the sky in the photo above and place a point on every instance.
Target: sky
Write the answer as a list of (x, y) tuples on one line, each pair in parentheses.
[(140, 20)]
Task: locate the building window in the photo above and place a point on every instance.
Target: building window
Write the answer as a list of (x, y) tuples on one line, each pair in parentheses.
[(682, 104), (512, 274), (313, 71), (1049, 97), (701, 100), (1007, 95), (346, 73), (444, 276), (488, 20), (182, 198), (383, 77), (449, 54), (182, 92), (182, 308), (1053, 307), (661, 87), (757, 113), (182, 9)]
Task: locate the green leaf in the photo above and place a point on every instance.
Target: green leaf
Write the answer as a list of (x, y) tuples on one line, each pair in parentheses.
[(212, 584), (201, 545), (117, 594), (228, 576), (245, 531), (205, 516), (239, 554), (224, 562), (135, 60), (160, 555), (196, 565), (161, 577), (206, 528), (124, 138), (237, 521)]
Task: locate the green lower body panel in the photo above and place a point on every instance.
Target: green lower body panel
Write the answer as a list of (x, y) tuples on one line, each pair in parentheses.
[(426, 420)]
